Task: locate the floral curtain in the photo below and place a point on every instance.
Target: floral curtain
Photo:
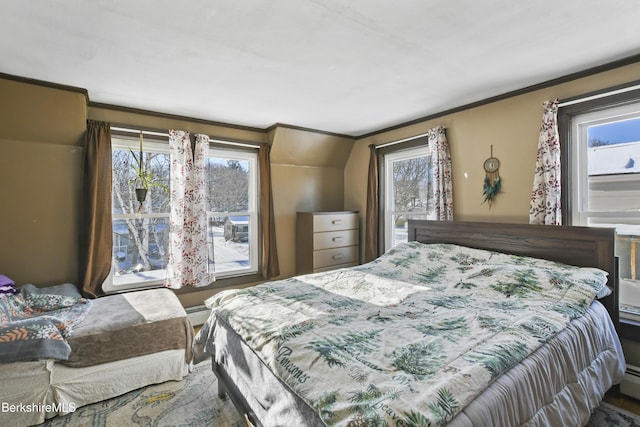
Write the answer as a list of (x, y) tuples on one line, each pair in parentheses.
[(442, 188), (545, 205), (188, 249)]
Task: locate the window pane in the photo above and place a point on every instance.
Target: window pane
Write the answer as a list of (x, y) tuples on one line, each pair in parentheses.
[(400, 227), (611, 140), (613, 165), (230, 238), (406, 191), (410, 184), (228, 185), (230, 206), (140, 249), (125, 182)]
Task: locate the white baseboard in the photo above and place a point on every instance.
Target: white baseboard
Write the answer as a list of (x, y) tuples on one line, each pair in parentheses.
[(630, 385), (198, 315)]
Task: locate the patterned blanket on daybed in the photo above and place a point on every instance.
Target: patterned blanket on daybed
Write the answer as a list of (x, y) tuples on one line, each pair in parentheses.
[(36, 326), (408, 339)]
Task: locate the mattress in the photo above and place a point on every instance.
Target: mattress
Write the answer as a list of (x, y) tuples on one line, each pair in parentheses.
[(130, 325), (34, 391), (559, 384), (412, 337)]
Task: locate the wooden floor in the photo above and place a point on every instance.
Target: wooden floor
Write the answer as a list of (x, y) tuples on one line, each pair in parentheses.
[(621, 401)]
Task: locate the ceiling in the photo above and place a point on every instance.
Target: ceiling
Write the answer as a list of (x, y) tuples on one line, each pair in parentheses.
[(346, 66)]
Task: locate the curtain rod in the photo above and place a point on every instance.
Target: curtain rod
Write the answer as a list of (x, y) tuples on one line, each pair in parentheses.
[(387, 144), (166, 134), (598, 96)]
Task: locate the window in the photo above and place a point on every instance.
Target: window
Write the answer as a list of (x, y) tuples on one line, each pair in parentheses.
[(603, 162), (141, 230), (232, 193), (406, 191)]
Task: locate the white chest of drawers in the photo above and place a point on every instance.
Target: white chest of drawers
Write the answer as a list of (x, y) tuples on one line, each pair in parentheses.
[(327, 240)]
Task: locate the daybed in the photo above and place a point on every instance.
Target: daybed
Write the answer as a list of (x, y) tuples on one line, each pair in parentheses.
[(121, 343), (460, 327)]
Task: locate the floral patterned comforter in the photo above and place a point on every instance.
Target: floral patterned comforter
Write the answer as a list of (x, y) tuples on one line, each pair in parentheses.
[(410, 338), (35, 326)]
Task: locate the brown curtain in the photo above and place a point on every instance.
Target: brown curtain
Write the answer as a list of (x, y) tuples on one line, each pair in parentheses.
[(270, 266), (371, 220), (97, 240)]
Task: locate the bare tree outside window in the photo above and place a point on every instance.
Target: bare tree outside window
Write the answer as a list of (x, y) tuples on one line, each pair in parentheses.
[(228, 185), (411, 179), (140, 236)]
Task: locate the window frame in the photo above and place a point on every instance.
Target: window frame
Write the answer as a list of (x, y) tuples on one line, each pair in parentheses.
[(383, 193), (595, 101), (250, 155), (123, 139), (606, 99), (579, 195)]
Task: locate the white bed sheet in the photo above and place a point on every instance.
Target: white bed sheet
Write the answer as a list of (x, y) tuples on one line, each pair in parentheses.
[(31, 392), (560, 384)]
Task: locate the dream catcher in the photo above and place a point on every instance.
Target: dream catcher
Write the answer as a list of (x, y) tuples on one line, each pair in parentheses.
[(492, 183)]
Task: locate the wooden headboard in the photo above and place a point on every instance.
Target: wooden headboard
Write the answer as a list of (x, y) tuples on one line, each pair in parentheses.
[(579, 246)]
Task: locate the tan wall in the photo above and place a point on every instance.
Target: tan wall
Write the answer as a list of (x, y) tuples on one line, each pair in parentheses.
[(42, 129), (307, 169), (41, 136), (511, 126), (133, 119), (41, 132)]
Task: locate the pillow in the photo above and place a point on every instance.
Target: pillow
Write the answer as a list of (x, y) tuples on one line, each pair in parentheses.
[(7, 286), (604, 291)]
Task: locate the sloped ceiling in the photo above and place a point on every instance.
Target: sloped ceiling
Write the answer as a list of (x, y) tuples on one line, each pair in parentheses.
[(345, 66)]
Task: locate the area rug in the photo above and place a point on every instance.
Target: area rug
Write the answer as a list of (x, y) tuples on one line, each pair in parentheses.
[(194, 402), (191, 402), (607, 415)]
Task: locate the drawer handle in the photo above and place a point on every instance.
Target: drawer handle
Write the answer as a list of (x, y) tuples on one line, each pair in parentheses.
[(336, 222), (339, 256), (337, 239)]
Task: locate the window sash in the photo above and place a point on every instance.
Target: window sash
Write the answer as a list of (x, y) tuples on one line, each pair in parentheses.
[(392, 229), (580, 123), (583, 190)]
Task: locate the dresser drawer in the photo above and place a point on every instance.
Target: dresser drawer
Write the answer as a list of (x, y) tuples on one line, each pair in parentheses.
[(335, 267), (329, 257), (335, 239), (334, 221)]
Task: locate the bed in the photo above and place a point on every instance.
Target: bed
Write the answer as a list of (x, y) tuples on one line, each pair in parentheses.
[(458, 327), (118, 343)]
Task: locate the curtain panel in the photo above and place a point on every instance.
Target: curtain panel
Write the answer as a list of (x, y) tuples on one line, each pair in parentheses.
[(96, 227), (270, 264), (546, 206), (371, 214), (442, 188), (188, 248)]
